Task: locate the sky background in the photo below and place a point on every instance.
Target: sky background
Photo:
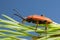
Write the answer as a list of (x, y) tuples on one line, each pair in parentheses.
[(50, 8)]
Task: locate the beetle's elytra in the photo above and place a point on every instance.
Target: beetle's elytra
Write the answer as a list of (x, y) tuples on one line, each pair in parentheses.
[(41, 19)]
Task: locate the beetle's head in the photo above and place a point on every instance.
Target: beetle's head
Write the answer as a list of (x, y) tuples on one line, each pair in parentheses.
[(27, 19)]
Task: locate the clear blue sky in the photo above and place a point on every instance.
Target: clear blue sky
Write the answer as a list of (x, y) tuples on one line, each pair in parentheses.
[(50, 8)]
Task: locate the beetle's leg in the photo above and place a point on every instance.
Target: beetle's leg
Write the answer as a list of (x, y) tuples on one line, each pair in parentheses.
[(46, 29), (36, 25), (46, 26)]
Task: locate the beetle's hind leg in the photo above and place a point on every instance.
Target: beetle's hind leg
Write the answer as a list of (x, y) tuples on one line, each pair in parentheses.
[(46, 27)]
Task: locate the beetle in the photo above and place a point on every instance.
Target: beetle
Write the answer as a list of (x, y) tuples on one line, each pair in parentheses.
[(36, 19)]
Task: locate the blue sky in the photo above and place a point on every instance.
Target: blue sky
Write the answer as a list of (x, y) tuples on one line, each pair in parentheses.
[(50, 8)]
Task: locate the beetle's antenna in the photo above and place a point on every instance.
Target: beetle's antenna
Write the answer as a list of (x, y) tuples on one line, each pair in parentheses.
[(17, 14), (46, 29)]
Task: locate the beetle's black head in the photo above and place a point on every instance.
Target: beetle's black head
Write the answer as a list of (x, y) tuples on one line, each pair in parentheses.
[(28, 20)]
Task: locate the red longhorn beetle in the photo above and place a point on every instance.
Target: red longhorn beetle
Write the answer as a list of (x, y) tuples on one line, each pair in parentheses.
[(37, 19)]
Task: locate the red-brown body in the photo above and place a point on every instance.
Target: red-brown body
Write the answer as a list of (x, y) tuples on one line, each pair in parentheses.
[(40, 19)]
